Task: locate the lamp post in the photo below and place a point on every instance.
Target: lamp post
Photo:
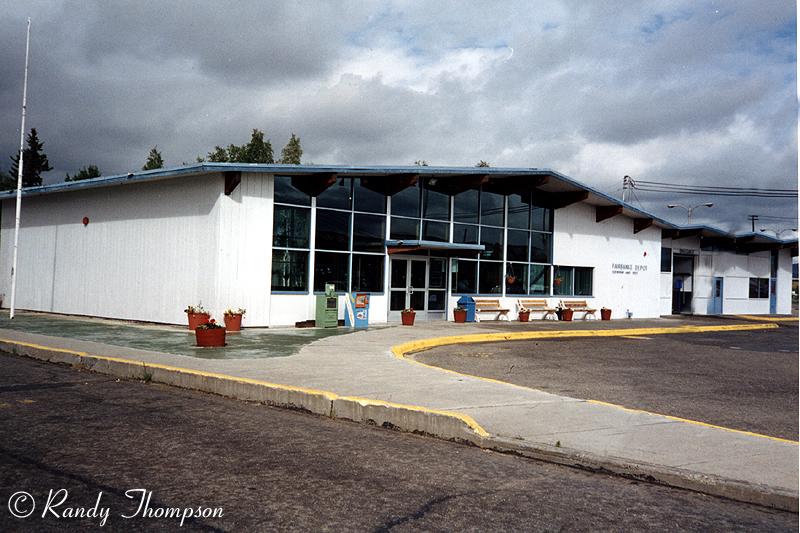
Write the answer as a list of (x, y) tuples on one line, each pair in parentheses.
[(690, 210), (778, 233)]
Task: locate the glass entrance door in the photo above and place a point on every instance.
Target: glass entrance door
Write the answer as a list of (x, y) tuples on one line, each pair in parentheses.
[(419, 283)]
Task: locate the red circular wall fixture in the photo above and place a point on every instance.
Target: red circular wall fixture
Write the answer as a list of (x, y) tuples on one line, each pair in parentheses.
[(85, 221)]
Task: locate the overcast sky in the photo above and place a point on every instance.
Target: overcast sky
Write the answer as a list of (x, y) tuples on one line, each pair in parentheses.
[(677, 91)]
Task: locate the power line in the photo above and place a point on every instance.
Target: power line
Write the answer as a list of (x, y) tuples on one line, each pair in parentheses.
[(709, 190)]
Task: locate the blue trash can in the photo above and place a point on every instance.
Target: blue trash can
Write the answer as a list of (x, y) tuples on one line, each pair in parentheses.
[(469, 304)]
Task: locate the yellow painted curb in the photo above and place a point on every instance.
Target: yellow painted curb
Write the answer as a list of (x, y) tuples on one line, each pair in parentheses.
[(331, 396), (402, 350), (767, 318)]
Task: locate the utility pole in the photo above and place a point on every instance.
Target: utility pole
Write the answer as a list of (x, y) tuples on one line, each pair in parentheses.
[(753, 219), (626, 185), (19, 173)]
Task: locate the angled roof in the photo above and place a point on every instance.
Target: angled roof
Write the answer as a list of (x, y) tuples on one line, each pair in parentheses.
[(554, 182)]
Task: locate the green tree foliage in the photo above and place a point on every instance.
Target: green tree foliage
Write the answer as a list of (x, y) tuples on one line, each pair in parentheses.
[(86, 173), (257, 150), (292, 152), (421, 163), (482, 164), (154, 160), (34, 163)]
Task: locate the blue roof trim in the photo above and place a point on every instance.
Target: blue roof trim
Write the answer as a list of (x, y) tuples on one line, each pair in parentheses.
[(437, 245), (360, 170)]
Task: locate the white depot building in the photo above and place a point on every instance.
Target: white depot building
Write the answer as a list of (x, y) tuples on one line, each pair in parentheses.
[(269, 237)]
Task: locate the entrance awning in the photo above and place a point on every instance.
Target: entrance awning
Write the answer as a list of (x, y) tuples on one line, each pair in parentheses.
[(446, 248)]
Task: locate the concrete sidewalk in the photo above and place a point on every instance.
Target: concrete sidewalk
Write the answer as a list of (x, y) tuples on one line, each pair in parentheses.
[(357, 376)]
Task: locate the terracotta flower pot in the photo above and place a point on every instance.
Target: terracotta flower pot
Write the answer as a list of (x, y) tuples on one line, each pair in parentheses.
[(210, 337), (524, 316), (196, 319), (233, 322), (566, 314), (605, 314), (408, 318), (460, 316)]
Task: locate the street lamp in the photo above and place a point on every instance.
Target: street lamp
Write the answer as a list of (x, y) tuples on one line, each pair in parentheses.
[(778, 233), (690, 210)]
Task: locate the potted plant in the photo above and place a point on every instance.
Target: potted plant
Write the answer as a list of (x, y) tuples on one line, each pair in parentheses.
[(408, 315), (460, 314), (196, 316), (233, 319), (564, 313), (210, 334), (524, 314), (605, 313)]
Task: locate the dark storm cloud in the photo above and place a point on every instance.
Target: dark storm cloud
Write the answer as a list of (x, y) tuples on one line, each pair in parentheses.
[(683, 91)]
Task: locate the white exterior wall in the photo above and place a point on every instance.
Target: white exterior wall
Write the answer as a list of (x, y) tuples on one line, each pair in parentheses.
[(784, 283), (580, 241), (149, 250)]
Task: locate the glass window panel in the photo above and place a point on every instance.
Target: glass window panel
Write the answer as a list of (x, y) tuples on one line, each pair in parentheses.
[(397, 301), (464, 233), (491, 208), (539, 280), (417, 300), (437, 300), (519, 210), (562, 281), (516, 278), (489, 278), (666, 259), (465, 206), (541, 247), (286, 193), (492, 239), (369, 233), (404, 229), (436, 273), (367, 200), (435, 231), (418, 274), (465, 277), (337, 196), (330, 267), (289, 270), (435, 204), (399, 273), (407, 202), (583, 281), (517, 248), (333, 230), (753, 288), (291, 226), (763, 287), (368, 273), (541, 218)]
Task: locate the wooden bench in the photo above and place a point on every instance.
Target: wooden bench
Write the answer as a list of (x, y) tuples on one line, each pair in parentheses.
[(537, 306), (489, 306), (581, 306)]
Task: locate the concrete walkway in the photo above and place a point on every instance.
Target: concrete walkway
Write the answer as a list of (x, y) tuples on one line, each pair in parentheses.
[(361, 369)]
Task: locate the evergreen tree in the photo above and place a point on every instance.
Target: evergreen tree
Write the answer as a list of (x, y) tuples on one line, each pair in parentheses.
[(256, 151), (86, 173), (482, 164), (421, 163), (34, 163), (292, 152), (154, 160)]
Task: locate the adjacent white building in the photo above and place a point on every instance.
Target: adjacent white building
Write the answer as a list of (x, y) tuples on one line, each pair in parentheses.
[(269, 237)]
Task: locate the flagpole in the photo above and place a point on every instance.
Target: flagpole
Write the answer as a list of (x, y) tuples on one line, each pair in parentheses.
[(19, 172)]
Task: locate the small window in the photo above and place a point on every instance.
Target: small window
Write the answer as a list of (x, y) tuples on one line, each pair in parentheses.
[(465, 276), (583, 281), (562, 281), (289, 271), (759, 288), (666, 259)]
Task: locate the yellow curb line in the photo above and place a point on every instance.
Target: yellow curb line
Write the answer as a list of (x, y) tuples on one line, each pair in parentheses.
[(402, 350), (331, 396), (769, 318)]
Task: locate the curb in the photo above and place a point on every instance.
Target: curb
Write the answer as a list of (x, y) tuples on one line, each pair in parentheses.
[(409, 418)]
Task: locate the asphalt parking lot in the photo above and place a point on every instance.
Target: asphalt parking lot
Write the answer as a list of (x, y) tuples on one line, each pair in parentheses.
[(278, 470), (744, 380)]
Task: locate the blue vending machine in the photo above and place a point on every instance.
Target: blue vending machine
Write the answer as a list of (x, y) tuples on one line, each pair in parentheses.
[(357, 310)]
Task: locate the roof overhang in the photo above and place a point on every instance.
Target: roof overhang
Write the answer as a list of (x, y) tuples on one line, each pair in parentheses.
[(446, 248)]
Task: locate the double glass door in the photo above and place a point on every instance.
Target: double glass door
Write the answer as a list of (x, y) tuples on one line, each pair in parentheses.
[(419, 283)]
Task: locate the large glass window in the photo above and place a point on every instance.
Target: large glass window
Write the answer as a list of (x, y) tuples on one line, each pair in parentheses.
[(491, 208), (465, 233), (519, 211), (539, 280), (516, 278), (291, 227), (572, 281), (368, 273), (541, 247), (369, 233), (332, 230), (289, 270), (465, 276), (337, 196), (367, 200), (517, 249), (562, 281), (407, 202), (286, 193), (583, 281), (465, 206), (492, 240), (436, 205), (435, 231), (330, 267), (404, 229), (541, 219), (489, 278)]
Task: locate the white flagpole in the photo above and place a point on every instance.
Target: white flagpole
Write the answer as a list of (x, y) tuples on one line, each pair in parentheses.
[(19, 172)]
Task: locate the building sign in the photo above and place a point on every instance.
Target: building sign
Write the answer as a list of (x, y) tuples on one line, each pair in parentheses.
[(626, 268)]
